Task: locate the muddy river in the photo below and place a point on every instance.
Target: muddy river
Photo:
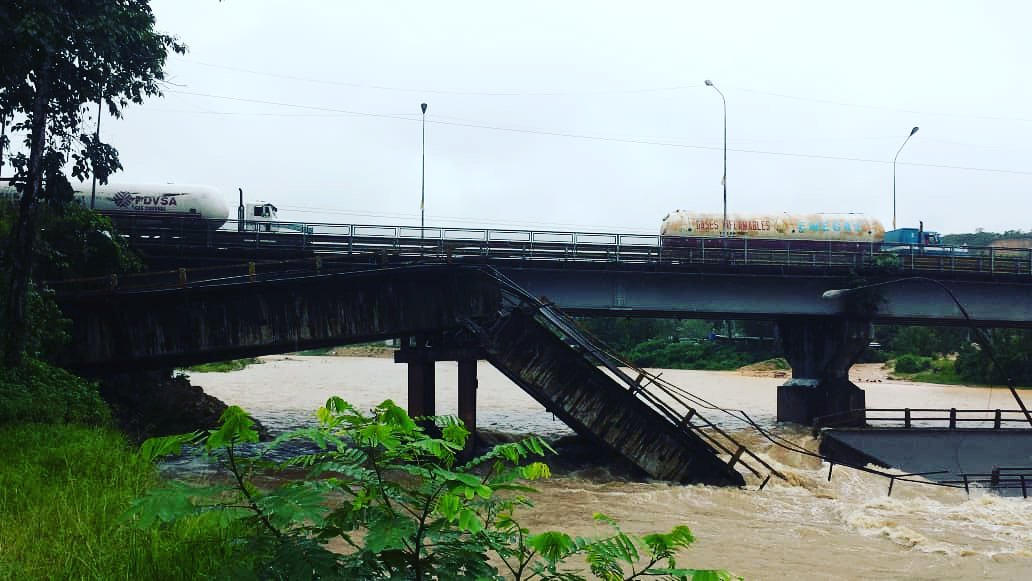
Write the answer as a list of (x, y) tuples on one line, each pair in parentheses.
[(805, 527)]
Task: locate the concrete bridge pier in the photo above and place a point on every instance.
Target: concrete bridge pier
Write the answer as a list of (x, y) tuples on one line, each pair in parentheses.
[(421, 353), (821, 350)]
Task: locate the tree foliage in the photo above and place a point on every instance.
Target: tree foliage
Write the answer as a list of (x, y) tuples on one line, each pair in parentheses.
[(59, 56), (1013, 349), (397, 503)]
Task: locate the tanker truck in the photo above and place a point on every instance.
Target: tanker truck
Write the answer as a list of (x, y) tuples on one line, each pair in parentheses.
[(823, 227)]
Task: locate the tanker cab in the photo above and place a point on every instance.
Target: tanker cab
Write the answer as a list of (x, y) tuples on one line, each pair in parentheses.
[(261, 217), (917, 240), (913, 236)]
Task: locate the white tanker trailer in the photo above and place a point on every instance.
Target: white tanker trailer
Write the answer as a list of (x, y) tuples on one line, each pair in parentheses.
[(832, 227), (146, 203)]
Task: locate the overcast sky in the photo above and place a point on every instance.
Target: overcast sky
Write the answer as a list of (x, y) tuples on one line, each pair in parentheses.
[(594, 115)]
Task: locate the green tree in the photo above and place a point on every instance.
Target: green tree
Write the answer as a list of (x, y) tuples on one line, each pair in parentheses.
[(60, 56), (623, 333), (400, 502), (1013, 349)]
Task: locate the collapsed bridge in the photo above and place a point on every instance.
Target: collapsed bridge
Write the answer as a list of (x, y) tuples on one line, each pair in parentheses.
[(444, 312)]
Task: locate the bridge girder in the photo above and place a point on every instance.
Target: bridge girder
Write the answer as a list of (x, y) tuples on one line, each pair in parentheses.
[(773, 296)]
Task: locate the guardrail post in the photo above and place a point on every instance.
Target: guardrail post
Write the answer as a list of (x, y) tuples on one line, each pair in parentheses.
[(994, 476), (746, 251), (997, 419), (992, 259), (251, 271), (906, 417), (182, 277), (113, 282), (953, 418)]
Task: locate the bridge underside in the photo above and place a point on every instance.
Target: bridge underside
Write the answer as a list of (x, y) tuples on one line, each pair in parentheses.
[(115, 332)]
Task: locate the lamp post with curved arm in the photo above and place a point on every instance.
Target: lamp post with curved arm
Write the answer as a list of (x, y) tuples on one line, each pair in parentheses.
[(980, 336), (723, 181), (422, 181), (912, 132)]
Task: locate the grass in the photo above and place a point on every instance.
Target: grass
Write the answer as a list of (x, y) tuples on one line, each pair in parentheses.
[(224, 366), (942, 371), (64, 493)]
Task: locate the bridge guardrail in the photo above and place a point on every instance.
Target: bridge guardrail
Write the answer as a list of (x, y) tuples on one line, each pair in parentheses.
[(377, 244), (924, 418), (1000, 478), (634, 248)]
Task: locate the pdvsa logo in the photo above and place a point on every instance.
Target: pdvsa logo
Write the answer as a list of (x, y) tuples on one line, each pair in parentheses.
[(123, 199), (128, 199)]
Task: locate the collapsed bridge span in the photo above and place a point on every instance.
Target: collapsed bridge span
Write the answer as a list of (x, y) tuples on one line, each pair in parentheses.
[(532, 343)]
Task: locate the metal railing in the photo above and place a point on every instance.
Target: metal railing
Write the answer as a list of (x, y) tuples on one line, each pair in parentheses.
[(1000, 478), (506, 245), (924, 418)]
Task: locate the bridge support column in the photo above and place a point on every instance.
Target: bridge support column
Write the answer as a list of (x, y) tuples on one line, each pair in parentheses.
[(468, 403), (420, 354), (821, 350), (422, 389)]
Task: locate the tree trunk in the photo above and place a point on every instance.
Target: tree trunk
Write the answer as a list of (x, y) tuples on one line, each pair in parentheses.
[(24, 236)]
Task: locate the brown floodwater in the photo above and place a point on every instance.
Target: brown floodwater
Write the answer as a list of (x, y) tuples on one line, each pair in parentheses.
[(805, 527)]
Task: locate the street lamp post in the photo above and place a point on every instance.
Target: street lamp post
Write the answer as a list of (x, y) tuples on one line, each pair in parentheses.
[(422, 187), (981, 337), (723, 181), (912, 132)]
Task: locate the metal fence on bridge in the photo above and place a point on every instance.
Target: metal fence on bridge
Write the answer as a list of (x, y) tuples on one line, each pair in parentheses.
[(507, 245)]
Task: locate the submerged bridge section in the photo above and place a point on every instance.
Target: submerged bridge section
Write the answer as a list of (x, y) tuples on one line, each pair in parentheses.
[(471, 311)]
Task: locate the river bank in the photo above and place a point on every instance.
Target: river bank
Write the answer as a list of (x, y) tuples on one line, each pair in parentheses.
[(805, 527)]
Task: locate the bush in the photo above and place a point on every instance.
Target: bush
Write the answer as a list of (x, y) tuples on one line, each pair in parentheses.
[(704, 355), (912, 363), (224, 366), (401, 503), (39, 392)]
